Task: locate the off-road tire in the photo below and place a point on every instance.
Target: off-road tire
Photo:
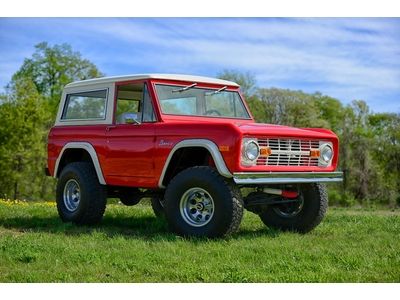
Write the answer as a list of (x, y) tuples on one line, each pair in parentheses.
[(228, 203), (93, 195), (157, 206), (313, 211)]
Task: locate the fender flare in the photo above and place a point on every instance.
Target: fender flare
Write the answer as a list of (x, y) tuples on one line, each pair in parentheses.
[(203, 143), (88, 148)]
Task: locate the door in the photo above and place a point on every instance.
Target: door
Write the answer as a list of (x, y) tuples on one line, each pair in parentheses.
[(130, 140)]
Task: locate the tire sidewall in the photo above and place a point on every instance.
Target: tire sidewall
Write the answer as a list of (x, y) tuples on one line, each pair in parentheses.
[(67, 174), (220, 194), (310, 215), (158, 208)]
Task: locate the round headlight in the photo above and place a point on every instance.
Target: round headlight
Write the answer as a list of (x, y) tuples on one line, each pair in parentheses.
[(251, 150), (326, 153)]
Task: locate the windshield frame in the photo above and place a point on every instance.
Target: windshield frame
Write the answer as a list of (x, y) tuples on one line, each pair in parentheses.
[(205, 86)]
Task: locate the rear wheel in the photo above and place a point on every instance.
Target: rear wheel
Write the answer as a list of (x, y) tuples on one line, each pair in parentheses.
[(302, 215), (199, 202), (80, 197)]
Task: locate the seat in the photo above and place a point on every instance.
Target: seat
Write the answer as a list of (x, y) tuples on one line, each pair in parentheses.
[(127, 118)]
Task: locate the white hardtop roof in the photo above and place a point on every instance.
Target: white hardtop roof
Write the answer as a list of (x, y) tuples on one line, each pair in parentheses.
[(179, 77)]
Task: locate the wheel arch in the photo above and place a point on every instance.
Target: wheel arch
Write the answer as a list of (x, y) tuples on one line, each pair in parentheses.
[(78, 151), (204, 144)]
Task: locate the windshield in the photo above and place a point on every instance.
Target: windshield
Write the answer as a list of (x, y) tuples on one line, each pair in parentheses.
[(193, 101)]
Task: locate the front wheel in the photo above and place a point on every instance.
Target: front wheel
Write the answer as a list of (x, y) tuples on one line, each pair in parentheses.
[(301, 216), (199, 202)]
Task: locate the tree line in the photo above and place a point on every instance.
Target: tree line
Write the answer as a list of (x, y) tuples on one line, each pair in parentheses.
[(369, 142)]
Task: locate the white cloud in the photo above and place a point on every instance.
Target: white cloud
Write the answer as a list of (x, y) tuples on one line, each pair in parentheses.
[(346, 58), (268, 48)]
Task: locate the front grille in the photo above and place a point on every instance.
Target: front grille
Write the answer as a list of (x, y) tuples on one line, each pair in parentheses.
[(288, 152)]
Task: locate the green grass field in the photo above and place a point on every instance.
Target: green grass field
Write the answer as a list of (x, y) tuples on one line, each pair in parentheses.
[(131, 245)]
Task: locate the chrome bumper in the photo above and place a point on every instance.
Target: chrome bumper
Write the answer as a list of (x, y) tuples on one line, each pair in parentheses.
[(256, 178)]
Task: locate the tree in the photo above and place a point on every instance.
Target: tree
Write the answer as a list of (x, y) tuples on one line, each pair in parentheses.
[(293, 108), (52, 67), (22, 151), (367, 177), (331, 110), (386, 151), (28, 110), (257, 109), (247, 81), (360, 141)]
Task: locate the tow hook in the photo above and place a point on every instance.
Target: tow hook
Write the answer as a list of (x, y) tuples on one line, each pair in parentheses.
[(283, 193)]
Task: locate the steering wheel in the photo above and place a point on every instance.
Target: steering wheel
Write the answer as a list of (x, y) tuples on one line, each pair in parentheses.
[(213, 111)]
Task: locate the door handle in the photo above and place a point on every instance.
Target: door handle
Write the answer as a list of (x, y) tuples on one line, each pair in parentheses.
[(108, 128)]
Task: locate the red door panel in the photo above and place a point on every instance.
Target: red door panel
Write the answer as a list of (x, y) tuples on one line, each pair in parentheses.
[(130, 151)]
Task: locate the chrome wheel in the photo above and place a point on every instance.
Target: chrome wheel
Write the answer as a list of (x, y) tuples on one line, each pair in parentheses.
[(71, 195), (197, 207)]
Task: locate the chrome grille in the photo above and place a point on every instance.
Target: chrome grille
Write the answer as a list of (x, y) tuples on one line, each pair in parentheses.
[(288, 152)]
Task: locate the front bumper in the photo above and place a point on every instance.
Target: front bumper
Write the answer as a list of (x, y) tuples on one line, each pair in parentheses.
[(257, 178)]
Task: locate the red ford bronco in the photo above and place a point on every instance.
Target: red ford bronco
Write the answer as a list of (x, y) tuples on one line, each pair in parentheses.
[(190, 144)]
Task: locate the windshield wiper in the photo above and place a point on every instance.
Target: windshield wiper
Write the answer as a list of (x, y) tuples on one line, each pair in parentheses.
[(218, 91), (184, 88)]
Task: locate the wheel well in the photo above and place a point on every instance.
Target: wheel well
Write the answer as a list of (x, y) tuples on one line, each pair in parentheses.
[(73, 155), (185, 158)]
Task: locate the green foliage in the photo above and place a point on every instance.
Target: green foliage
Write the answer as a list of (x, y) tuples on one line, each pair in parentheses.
[(27, 111), (247, 81), (51, 68), (257, 108), (293, 108), (336, 198), (331, 111), (131, 245), (23, 117)]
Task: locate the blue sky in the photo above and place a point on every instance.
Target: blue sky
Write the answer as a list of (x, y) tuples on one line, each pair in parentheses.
[(344, 58)]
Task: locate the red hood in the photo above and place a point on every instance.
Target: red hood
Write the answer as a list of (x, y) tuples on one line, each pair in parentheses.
[(259, 129)]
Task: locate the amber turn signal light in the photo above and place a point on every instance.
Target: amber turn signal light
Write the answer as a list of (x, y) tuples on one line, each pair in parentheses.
[(265, 151), (315, 153)]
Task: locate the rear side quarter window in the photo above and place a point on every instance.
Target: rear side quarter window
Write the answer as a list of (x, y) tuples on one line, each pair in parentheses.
[(85, 106)]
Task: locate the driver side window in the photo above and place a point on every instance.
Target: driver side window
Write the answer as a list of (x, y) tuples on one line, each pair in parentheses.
[(133, 104)]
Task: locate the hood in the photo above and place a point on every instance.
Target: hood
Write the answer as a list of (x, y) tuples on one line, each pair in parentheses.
[(260, 129)]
